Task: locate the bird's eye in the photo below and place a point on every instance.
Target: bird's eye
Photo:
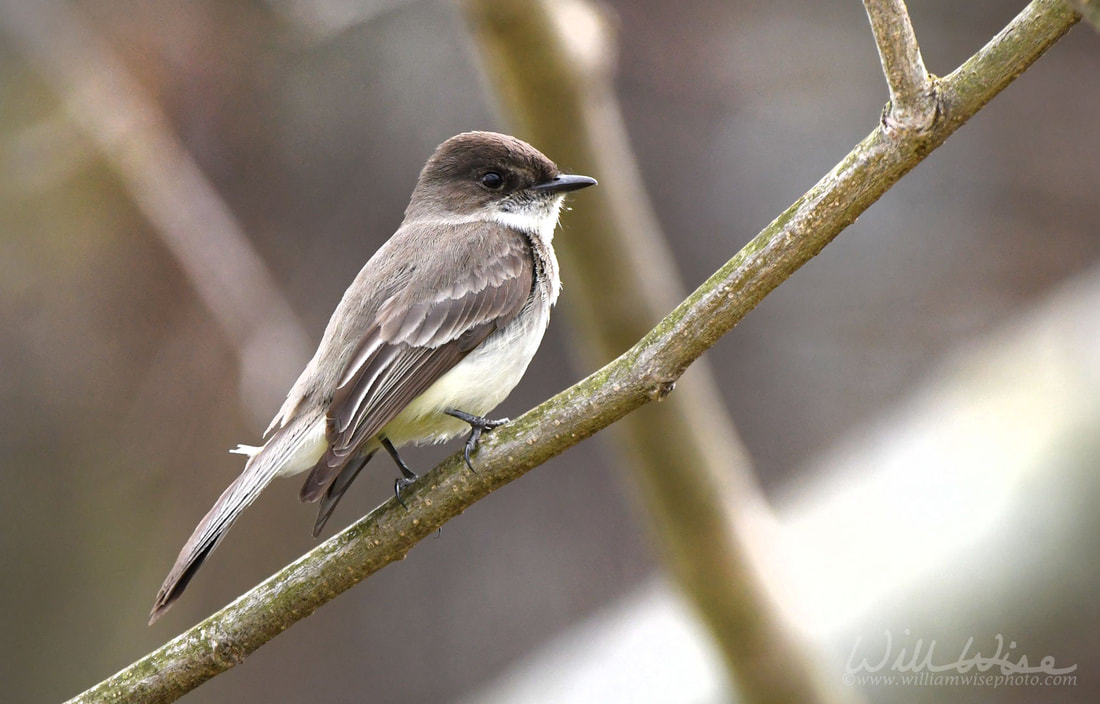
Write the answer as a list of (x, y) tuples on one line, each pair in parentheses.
[(491, 180)]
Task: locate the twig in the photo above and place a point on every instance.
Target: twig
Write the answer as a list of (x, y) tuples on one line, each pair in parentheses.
[(1090, 11), (637, 377), (912, 105)]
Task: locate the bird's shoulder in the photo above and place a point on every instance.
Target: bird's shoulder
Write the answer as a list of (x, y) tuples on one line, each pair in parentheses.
[(430, 261)]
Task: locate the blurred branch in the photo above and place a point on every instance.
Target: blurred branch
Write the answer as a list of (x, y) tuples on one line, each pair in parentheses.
[(552, 64), (912, 105), (323, 19), (1090, 11), (37, 158), (642, 374), (101, 97)]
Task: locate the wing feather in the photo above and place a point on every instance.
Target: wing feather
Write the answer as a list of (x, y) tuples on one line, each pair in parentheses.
[(418, 334)]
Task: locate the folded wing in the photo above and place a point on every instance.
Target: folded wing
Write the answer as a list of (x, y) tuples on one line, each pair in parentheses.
[(418, 334)]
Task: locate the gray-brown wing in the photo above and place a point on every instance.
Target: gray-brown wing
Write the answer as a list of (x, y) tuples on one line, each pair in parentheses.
[(420, 333)]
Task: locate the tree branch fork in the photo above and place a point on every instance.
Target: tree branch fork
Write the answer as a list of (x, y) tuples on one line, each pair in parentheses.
[(914, 104)]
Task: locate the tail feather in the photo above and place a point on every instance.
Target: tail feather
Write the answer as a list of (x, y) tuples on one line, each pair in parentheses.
[(202, 542), (263, 465), (336, 490)]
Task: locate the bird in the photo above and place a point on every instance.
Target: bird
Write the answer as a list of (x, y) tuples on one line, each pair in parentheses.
[(434, 332)]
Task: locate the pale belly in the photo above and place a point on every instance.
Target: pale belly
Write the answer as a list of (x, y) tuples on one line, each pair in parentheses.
[(477, 385)]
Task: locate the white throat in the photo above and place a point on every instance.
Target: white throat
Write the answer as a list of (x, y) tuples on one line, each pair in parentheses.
[(539, 223)]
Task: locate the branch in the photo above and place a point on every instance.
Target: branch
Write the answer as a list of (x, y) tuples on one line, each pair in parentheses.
[(912, 104), (642, 374), (1089, 9)]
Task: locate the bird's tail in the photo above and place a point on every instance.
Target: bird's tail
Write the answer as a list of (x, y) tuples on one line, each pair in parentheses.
[(263, 465), (336, 490)]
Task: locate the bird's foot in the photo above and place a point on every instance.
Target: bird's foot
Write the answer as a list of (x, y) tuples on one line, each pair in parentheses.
[(478, 425), (399, 485), (407, 478)]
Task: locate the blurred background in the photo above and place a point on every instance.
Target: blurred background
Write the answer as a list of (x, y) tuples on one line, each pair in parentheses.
[(920, 401)]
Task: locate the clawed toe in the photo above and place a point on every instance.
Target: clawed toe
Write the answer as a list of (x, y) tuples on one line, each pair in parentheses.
[(478, 425), (399, 485)]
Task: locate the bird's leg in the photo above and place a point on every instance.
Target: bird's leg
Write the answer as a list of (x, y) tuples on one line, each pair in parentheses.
[(407, 475), (478, 425)]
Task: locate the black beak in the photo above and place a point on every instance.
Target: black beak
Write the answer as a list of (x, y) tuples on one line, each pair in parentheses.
[(563, 183)]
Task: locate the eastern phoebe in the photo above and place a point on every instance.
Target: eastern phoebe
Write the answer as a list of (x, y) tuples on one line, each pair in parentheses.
[(434, 332)]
